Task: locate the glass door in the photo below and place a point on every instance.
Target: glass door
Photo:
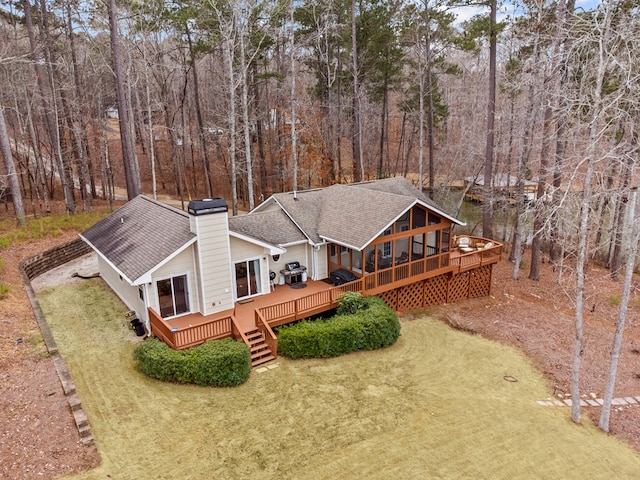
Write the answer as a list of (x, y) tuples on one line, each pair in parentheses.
[(248, 278), (173, 296)]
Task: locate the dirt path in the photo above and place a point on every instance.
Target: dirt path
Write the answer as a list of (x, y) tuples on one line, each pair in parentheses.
[(38, 436)]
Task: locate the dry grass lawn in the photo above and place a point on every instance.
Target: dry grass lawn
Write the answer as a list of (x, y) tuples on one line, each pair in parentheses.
[(435, 405)]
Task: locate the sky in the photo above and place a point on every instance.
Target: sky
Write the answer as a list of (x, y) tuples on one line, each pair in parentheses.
[(465, 13)]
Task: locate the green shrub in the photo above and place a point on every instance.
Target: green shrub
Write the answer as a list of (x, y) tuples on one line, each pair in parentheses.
[(319, 339), (373, 325), (380, 325), (351, 302), (220, 363)]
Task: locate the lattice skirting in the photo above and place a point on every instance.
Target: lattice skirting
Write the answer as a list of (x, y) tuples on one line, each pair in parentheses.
[(435, 292), (390, 298), (480, 282), (440, 290), (459, 287), (411, 297)]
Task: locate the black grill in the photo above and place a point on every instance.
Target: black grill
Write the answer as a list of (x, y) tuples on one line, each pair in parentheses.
[(292, 266)]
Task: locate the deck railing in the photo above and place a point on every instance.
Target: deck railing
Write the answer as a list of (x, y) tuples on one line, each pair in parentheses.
[(269, 336), (186, 337), (483, 252), (304, 307), (405, 271)]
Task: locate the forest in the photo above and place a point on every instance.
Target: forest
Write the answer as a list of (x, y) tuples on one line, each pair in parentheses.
[(103, 100)]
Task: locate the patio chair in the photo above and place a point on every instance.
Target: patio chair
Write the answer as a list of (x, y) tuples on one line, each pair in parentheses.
[(463, 242)]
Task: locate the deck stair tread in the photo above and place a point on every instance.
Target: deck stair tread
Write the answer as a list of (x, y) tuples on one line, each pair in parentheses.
[(258, 348), (262, 360)]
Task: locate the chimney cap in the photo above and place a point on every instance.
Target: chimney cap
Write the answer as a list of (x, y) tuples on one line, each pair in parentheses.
[(207, 206)]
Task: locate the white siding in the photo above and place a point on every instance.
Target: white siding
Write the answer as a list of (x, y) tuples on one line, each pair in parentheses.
[(297, 253), (181, 264), (213, 260), (242, 250), (321, 263), (126, 292)]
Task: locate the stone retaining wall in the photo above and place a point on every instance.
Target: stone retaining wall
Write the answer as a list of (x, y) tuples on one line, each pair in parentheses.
[(54, 257), (30, 268)]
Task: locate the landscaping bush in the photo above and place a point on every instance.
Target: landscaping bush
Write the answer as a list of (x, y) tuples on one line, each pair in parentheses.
[(380, 325), (372, 325), (351, 302), (219, 363)]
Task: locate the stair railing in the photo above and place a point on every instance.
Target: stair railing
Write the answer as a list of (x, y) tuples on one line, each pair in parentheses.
[(270, 338)]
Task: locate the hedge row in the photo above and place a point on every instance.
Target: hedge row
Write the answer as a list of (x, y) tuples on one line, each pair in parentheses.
[(219, 363), (373, 325)]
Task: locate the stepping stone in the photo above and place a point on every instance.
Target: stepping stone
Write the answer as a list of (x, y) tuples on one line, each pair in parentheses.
[(600, 401), (262, 369), (630, 400), (618, 401), (593, 403), (637, 398), (273, 365), (543, 403), (568, 402), (558, 403)]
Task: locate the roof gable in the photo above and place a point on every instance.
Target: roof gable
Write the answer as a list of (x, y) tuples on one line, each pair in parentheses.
[(351, 214), (273, 227), (140, 236)]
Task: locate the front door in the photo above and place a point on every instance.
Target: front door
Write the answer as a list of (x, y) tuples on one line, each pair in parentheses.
[(247, 278)]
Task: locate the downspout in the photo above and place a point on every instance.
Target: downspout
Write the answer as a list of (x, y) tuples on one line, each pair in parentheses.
[(314, 261)]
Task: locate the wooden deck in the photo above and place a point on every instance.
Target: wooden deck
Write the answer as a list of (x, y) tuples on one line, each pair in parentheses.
[(438, 279)]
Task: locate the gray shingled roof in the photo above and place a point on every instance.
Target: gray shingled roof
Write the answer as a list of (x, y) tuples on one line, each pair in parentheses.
[(351, 214), (273, 227), (143, 233), (140, 235), (304, 209), (354, 216)]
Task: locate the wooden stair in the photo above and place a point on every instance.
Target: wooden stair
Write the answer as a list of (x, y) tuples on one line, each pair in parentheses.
[(258, 348)]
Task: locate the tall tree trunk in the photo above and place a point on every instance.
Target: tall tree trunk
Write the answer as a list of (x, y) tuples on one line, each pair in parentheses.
[(552, 82), (259, 133), (201, 127), (41, 173), (16, 193), (294, 97), (232, 127), (616, 257), (421, 116), (487, 190), (603, 424), (583, 230), (430, 118), (383, 122), (47, 96), (556, 248), (358, 166), (131, 169), (532, 109), (245, 120)]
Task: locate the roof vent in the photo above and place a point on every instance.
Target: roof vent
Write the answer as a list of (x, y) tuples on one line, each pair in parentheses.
[(207, 206)]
